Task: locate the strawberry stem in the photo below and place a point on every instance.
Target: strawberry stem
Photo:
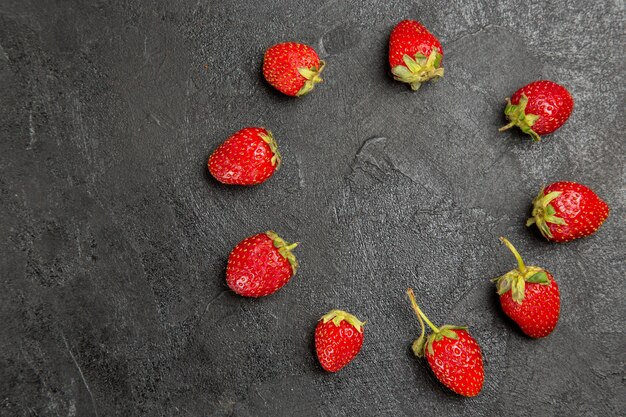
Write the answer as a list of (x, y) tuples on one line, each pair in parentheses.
[(520, 262), (292, 246), (503, 128), (420, 315)]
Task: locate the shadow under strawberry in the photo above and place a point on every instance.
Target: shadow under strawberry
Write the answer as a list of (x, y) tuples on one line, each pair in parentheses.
[(315, 364), (381, 69)]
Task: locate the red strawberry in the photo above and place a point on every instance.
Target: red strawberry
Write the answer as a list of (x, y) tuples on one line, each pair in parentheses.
[(539, 108), (530, 297), (292, 68), (567, 210), (338, 339), (248, 157), (453, 355), (260, 265), (415, 54)]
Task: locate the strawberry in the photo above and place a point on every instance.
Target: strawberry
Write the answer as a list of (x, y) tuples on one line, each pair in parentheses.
[(453, 355), (415, 54), (260, 265), (529, 296), (292, 68), (567, 210), (248, 157), (539, 108), (338, 339)]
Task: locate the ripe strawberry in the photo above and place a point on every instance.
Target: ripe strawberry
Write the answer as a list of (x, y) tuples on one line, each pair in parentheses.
[(338, 339), (248, 157), (415, 54), (539, 108), (453, 355), (292, 68), (529, 296), (260, 265), (567, 210)]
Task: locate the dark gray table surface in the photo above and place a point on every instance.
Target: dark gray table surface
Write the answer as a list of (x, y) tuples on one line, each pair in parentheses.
[(115, 239)]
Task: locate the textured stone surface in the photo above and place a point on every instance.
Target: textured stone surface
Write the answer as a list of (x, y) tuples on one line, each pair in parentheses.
[(114, 239)]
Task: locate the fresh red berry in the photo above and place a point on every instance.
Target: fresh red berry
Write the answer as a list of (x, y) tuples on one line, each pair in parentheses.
[(452, 354), (338, 339), (415, 54), (292, 68), (539, 108), (530, 297), (260, 265), (567, 210), (457, 362), (248, 157)]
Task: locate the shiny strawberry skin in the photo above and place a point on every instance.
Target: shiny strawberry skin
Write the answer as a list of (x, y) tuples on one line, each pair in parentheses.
[(538, 313), (582, 211), (548, 100), (410, 37), (281, 65), (256, 268), (458, 364), (244, 158), (336, 346)]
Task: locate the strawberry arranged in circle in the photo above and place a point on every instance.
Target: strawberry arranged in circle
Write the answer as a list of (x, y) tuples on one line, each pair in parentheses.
[(248, 157), (292, 68), (452, 354), (567, 210), (529, 296), (539, 108), (415, 54), (338, 339), (260, 265)]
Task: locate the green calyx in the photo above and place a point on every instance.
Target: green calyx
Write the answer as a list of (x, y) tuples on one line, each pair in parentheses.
[(269, 139), (423, 342), (516, 114), (515, 280), (312, 76), (543, 213), (419, 69), (337, 316), (284, 249)]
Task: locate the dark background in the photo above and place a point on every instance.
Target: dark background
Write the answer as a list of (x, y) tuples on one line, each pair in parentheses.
[(115, 239)]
